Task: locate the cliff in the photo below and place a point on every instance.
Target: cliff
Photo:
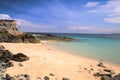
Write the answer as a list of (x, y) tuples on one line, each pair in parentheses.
[(9, 26)]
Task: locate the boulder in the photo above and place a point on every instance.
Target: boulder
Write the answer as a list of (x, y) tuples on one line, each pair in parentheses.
[(5, 55), (20, 57), (116, 77), (110, 71), (46, 78), (97, 74), (105, 78)]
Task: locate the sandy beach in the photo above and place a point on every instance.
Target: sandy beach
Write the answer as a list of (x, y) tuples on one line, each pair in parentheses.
[(46, 60)]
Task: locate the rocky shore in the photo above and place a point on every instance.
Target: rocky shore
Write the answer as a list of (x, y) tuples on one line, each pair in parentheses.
[(19, 38), (6, 58)]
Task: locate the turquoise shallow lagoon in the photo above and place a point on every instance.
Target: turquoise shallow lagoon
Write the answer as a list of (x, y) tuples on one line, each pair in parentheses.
[(105, 48)]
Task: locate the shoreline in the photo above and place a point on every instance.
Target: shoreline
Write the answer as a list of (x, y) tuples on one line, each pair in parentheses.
[(78, 55), (45, 59)]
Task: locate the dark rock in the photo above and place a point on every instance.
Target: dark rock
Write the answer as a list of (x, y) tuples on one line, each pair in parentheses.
[(97, 74), (2, 47), (22, 37), (20, 57), (110, 71), (9, 64), (27, 76), (105, 78), (17, 76), (46, 78), (109, 75), (8, 77), (5, 55), (101, 64), (65, 79), (51, 74), (116, 77), (12, 78), (21, 65)]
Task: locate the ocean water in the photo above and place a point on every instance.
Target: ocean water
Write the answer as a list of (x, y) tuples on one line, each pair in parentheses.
[(105, 47)]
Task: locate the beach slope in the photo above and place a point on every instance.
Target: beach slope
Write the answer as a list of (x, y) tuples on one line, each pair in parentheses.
[(55, 64)]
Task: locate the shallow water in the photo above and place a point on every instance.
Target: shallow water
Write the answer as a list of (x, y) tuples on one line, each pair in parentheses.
[(107, 49)]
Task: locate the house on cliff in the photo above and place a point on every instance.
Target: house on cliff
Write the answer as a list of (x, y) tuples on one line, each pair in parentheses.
[(9, 26)]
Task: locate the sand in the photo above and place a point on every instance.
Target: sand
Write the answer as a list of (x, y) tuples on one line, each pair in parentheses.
[(46, 60)]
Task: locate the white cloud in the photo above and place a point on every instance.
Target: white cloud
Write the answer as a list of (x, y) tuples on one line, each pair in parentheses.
[(26, 23), (81, 28), (91, 4), (113, 20), (94, 29), (111, 10), (4, 16)]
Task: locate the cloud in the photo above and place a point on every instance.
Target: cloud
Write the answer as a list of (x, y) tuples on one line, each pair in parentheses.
[(81, 28), (113, 20), (26, 23), (37, 27), (94, 29), (111, 10), (91, 4), (4, 16)]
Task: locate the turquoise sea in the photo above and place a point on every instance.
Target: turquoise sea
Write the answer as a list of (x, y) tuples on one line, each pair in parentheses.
[(105, 47)]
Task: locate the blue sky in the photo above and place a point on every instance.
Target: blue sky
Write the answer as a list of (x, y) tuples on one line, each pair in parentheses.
[(65, 16)]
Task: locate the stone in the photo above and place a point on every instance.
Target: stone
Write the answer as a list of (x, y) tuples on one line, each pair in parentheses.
[(27, 76), (21, 65), (65, 79), (51, 74), (20, 57), (46, 78), (8, 77), (9, 64), (5, 55), (116, 77), (96, 74), (105, 78), (2, 47), (110, 71), (101, 64)]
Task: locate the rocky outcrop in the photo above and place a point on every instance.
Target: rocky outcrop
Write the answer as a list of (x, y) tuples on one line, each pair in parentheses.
[(6, 56), (20, 38), (52, 37), (9, 26)]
